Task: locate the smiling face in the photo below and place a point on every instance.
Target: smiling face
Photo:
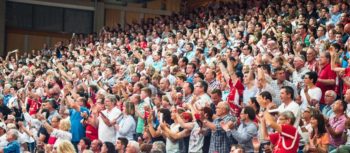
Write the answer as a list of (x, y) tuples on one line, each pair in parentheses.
[(314, 122)]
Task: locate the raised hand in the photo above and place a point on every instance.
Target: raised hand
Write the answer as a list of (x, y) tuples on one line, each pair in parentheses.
[(227, 126), (256, 143)]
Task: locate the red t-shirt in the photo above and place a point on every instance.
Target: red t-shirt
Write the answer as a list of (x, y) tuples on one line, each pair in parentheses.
[(347, 74), (91, 132), (33, 106), (325, 73), (287, 141), (143, 44), (51, 140)]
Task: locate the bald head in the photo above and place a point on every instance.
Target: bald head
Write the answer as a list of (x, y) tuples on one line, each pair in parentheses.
[(164, 84)]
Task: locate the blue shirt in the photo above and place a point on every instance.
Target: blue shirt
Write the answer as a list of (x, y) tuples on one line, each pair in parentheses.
[(190, 79), (244, 135), (335, 18), (327, 111), (190, 55), (7, 98), (157, 65), (344, 63), (12, 147), (77, 129)]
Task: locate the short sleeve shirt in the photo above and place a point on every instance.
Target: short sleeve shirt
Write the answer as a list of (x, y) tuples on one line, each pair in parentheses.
[(325, 73), (287, 141), (337, 124), (12, 147), (77, 128)]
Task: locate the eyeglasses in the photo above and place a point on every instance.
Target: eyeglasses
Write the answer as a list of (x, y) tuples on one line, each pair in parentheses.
[(282, 118)]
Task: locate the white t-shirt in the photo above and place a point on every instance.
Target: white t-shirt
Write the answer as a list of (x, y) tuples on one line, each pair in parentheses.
[(106, 133), (347, 140), (314, 93), (305, 135), (293, 107), (247, 59), (172, 79), (171, 146), (196, 140), (3, 141), (61, 135)]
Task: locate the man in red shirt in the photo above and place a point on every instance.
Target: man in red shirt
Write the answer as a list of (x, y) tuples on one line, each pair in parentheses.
[(286, 138), (326, 77)]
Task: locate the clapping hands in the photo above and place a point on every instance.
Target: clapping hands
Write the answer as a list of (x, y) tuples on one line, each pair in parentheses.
[(227, 126)]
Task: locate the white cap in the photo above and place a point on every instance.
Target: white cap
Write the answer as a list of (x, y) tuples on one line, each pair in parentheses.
[(3, 125)]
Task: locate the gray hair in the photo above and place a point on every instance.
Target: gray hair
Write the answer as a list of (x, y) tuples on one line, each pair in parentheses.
[(288, 115), (13, 133), (158, 145), (112, 98), (135, 145), (334, 95)]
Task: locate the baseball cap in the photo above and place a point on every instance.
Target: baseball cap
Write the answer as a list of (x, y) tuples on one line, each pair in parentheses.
[(3, 125)]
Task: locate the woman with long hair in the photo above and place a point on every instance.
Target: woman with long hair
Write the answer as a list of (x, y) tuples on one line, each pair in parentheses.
[(127, 125), (319, 138)]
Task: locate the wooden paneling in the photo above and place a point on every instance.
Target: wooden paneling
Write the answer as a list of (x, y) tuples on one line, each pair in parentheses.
[(150, 16), (14, 41), (131, 17), (173, 5), (35, 39), (156, 4), (112, 17), (135, 5), (36, 42), (54, 40)]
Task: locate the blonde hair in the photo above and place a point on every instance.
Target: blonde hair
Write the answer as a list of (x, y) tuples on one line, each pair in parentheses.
[(65, 146), (64, 125), (129, 108)]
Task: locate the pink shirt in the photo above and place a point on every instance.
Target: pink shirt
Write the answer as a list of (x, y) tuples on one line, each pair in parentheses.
[(337, 124)]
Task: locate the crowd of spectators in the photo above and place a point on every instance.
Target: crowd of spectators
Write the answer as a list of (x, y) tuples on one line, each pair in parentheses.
[(252, 76)]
